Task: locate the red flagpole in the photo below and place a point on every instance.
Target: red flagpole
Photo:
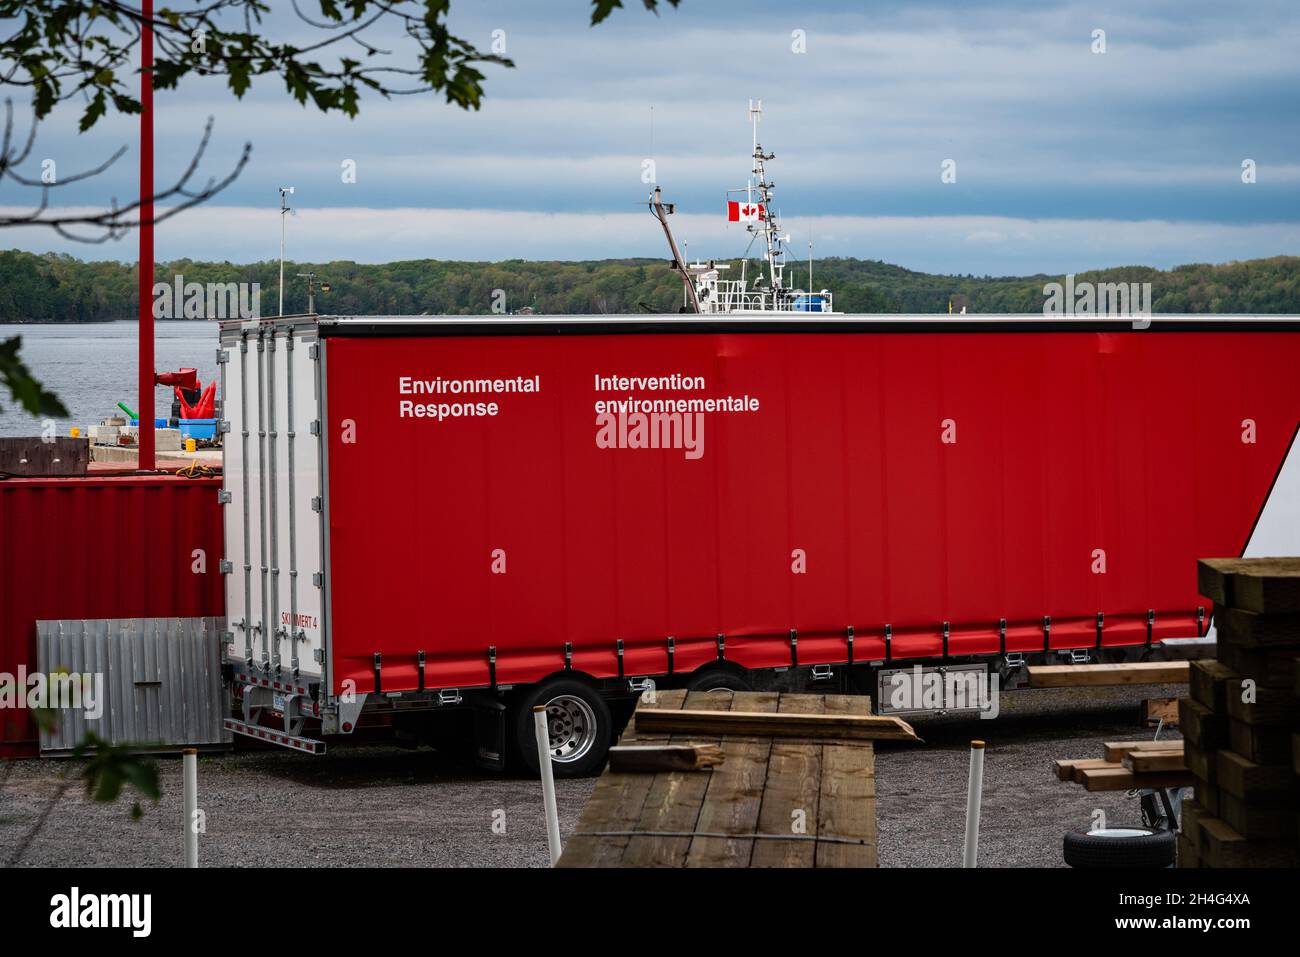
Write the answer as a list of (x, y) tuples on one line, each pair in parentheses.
[(146, 364)]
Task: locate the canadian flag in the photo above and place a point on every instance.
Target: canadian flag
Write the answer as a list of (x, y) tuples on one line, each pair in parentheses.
[(744, 212)]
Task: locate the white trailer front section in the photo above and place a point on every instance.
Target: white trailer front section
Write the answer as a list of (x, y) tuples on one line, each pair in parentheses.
[(273, 498)]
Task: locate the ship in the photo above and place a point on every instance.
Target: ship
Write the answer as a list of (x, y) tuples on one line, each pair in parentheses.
[(706, 292)]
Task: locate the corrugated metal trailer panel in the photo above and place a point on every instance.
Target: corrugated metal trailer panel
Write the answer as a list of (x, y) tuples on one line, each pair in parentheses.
[(100, 547), (157, 681)]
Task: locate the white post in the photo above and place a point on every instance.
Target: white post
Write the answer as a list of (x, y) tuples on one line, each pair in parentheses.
[(281, 310), (548, 782), (190, 787), (974, 792), (284, 208)]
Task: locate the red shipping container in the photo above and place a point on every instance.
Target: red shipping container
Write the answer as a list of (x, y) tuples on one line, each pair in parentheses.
[(122, 546)]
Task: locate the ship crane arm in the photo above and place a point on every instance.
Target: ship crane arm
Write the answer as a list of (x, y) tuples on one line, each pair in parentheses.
[(660, 212)]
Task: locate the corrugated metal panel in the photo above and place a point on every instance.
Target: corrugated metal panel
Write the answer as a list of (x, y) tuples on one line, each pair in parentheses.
[(100, 547), (156, 681)]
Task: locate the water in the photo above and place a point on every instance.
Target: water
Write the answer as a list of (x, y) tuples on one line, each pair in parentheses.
[(92, 366)]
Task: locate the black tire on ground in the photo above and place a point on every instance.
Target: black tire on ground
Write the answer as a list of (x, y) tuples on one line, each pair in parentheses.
[(580, 723), (711, 679), (1126, 846)]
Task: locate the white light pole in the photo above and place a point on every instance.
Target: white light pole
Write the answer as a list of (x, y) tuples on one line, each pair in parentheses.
[(190, 804), (284, 209), (974, 795), (543, 733)]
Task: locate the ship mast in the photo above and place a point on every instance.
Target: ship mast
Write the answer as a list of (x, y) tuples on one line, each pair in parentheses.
[(768, 223)]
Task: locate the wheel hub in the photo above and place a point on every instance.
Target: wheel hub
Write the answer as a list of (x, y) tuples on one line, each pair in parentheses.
[(572, 726)]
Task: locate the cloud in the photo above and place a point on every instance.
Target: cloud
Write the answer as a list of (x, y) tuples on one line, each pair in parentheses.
[(991, 245), (1042, 129)]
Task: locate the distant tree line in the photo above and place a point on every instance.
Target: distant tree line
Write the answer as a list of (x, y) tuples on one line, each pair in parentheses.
[(61, 288)]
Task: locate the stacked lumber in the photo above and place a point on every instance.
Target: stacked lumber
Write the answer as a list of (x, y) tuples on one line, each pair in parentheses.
[(743, 779), (1129, 764), (1241, 720)]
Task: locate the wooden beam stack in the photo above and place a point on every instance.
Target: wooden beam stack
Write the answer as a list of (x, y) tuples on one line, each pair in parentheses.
[(1241, 720), (1128, 765)]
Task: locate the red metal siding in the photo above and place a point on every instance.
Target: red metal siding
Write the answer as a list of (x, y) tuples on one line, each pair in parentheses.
[(100, 547), (1066, 442)]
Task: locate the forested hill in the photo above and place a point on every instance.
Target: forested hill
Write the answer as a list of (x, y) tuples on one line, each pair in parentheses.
[(65, 289)]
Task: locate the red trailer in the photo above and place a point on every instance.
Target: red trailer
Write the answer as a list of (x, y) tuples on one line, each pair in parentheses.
[(491, 513)]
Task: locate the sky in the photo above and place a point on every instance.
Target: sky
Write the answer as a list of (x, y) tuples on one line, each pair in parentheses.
[(1066, 159)]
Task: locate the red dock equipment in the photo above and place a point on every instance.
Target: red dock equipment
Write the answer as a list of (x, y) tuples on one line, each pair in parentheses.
[(832, 491)]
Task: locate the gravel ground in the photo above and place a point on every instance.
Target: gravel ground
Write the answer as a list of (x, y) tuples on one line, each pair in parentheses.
[(384, 806), (921, 792)]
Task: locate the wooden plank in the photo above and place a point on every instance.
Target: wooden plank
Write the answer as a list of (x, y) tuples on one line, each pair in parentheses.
[(1145, 762), (1076, 775), (1200, 761), (1201, 726), (1269, 667), (1224, 846), (615, 803), (1160, 711), (734, 797), (1206, 682), (856, 727), (847, 805), (1121, 779), (1259, 821), (1098, 676), (1253, 584), (1064, 768), (1263, 744), (643, 758), (1115, 750), (794, 772), (1189, 823), (1248, 629), (672, 805), (1244, 779), (1266, 706), (1207, 795)]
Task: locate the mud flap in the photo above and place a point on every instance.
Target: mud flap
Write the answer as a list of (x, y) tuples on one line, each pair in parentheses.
[(490, 735)]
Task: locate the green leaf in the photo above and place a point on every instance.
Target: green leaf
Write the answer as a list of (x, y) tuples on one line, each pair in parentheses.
[(94, 110)]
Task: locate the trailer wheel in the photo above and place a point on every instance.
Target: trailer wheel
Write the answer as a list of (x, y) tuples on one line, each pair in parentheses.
[(713, 679), (580, 724), (1128, 847)]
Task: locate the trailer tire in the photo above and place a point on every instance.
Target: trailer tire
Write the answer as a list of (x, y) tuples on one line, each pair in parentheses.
[(1128, 847), (715, 679), (581, 727)]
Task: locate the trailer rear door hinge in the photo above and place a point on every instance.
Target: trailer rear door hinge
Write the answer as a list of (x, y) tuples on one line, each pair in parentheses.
[(224, 497), (313, 351), (319, 655), (223, 426), (222, 357), (314, 427), (317, 579), (316, 504), (226, 566)]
